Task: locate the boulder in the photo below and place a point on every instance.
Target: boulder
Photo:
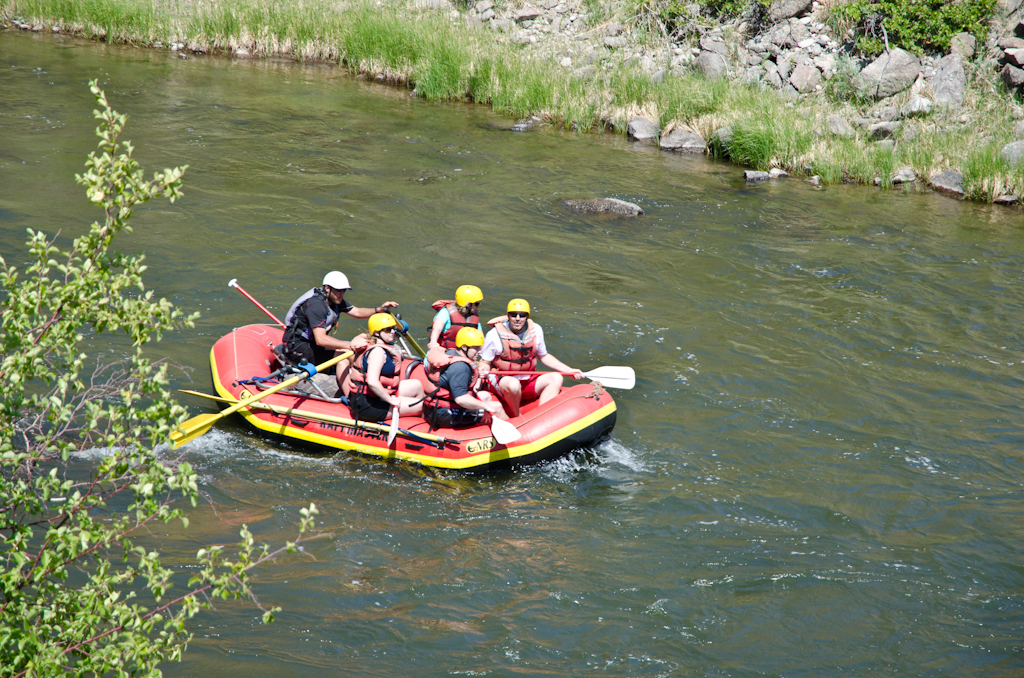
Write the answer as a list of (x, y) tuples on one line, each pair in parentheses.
[(904, 175), (838, 126), (613, 29), (1006, 200), (683, 141), (1013, 153), (918, 106), (949, 81), (885, 145), (483, 6), (720, 140), (776, 173), (785, 9), (527, 14), (950, 183), (772, 75), (1014, 55), (788, 33), (642, 129), (604, 206), (1010, 42), (752, 75), (805, 78), (963, 44), (889, 74), (613, 43), (709, 44), (1012, 76), (753, 176), (712, 65), (883, 130)]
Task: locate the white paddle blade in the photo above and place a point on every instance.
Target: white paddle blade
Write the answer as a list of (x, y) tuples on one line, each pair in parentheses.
[(504, 432), (613, 376), (393, 431)]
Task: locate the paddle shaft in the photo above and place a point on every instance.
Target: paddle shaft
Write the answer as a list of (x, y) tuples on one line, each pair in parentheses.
[(234, 283), (329, 418)]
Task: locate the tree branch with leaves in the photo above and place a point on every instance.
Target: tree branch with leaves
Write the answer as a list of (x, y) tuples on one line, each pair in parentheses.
[(77, 596)]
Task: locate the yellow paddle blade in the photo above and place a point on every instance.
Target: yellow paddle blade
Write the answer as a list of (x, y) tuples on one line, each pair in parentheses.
[(192, 429)]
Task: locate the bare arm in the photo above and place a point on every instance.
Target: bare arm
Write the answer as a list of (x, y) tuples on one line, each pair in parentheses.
[(558, 366), (324, 340), (469, 402), (374, 364), (358, 312), (435, 332)]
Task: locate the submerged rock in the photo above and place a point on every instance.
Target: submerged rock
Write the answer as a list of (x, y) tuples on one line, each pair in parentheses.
[(683, 141), (604, 206)]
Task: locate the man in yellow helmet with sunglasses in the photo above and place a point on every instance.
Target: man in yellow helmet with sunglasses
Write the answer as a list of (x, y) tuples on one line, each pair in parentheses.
[(515, 344)]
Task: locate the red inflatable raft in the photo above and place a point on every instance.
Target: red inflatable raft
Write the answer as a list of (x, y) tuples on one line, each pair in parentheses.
[(578, 417)]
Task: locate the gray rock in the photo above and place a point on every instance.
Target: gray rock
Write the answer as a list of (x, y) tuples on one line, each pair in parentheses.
[(839, 127), (784, 9), (904, 175), (950, 183), (963, 44), (1012, 76), (785, 65), (486, 16), (887, 145), (483, 6), (720, 140), (604, 206), (1018, 130), (788, 33), (753, 176), (815, 181), (709, 44), (883, 130), (888, 113), (949, 81), (642, 129), (1010, 42), (1014, 55), (918, 106), (776, 173), (527, 14), (614, 43), (1013, 153), (683, 141), (503, 25), (712, 65), (613, 29), (752, 75), (805, 78), (772, 76), (889, 74), (1006, 200), (659, 75)]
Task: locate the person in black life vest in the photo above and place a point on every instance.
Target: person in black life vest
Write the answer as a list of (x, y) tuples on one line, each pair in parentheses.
[(376, 376), (515, 344), (452, 316), (453, 375), (313, 317)]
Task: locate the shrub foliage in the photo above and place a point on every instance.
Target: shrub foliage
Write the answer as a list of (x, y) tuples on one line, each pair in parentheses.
[(77, 596), (914, 25)]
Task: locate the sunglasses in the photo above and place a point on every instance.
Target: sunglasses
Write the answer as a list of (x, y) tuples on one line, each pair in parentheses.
[(518, 314), (389, 329)]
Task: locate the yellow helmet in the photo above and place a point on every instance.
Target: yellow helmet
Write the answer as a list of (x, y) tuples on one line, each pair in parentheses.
[(380, 321), (468, 294), (518, 305), (469, 336)]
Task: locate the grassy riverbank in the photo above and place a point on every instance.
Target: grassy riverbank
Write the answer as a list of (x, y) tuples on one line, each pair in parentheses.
[(443, 58)]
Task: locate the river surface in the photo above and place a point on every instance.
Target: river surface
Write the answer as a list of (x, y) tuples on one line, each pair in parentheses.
[(819, 472)]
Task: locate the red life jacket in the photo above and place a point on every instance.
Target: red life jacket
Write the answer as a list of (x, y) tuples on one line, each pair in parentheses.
[(517, 355), (437, 361), (358, 374), (458, 321)]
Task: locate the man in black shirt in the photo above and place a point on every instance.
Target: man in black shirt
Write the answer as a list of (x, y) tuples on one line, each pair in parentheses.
[(314, 316)]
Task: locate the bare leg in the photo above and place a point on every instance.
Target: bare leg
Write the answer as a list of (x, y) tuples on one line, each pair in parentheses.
[(511, 393), (410, 391), (486, 397), (549, 385)]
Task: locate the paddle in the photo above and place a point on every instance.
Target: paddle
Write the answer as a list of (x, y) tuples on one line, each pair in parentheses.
[(504, 432), (611, 376), (197, 426), (405, 333), (429, 438), (234, 283)]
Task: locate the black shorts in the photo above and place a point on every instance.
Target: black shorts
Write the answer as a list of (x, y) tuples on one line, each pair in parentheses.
[(445, 417), (368, 409), (303, 350)]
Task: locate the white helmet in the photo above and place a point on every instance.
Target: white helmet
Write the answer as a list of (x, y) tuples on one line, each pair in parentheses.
[(337, 280)]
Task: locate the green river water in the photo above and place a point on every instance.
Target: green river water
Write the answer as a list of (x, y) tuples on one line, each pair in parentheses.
[(818, 472)]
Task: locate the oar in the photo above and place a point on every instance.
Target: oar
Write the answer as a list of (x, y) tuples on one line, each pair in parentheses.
[(234, 283), (393, 431), (430, 438), (419, 349), (197, 426), (610, 376), (504, 432)]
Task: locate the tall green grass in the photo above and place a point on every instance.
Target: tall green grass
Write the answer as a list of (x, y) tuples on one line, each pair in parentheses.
[(444, 60)]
